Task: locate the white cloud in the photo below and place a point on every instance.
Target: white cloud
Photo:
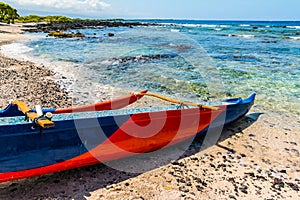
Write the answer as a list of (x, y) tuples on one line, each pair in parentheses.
[(67, 6)]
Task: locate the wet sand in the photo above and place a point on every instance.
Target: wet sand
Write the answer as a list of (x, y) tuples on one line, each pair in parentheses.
[(257, 157)]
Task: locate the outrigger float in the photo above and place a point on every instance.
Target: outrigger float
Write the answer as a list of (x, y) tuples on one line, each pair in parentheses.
[(54, 140)]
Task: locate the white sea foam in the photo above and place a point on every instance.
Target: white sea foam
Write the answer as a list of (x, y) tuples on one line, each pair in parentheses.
[(199, 25), (209, 25), (240, 35), (190, 25), (217, 29), (295, 38), (246, 36), (295, 27), (16, 50), (175, 30), (244, 25)]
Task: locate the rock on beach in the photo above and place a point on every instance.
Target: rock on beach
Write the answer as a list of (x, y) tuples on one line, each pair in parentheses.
[(28, 82)]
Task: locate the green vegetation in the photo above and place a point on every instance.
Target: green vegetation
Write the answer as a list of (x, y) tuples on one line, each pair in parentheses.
[(10, 15), (36, 18), (7, 13)]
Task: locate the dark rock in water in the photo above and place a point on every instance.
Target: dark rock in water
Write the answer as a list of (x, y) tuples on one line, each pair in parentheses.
[(65, 35), (80, 24), (269, 41), (111, 34), (141, 58)]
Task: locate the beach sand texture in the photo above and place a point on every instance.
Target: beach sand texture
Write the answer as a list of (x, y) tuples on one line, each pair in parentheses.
[(258, 157)]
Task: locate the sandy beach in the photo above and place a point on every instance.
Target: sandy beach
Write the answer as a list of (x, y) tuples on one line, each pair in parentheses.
[(257, 157)]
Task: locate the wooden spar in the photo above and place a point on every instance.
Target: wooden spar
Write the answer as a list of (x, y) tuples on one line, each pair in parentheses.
[(178, 102)]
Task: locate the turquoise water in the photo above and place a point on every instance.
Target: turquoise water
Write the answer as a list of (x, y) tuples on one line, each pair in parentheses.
[(192, 60)]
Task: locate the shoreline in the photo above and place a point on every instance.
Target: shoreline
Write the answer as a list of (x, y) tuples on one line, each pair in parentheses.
[(256, 158), (27, 81)]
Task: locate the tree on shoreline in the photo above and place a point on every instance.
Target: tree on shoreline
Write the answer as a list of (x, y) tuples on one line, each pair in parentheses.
[(8, 13)]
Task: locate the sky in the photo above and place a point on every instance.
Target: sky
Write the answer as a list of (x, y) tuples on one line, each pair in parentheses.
[(164, 9)]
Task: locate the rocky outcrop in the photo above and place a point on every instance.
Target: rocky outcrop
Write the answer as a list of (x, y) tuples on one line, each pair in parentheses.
[(65, 35), (80, 24)]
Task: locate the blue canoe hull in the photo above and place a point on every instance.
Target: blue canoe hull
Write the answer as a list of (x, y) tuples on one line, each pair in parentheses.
[(68, 145)]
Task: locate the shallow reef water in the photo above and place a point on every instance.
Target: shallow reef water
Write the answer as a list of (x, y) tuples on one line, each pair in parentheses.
[(192, 60)]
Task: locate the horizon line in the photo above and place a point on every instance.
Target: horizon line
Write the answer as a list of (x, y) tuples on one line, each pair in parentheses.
[(268, 20)]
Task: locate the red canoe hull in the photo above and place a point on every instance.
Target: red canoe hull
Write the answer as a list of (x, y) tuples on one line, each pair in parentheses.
[(143, 132)]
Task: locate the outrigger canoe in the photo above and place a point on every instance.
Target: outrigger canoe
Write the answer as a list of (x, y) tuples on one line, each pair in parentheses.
[(85, 138)]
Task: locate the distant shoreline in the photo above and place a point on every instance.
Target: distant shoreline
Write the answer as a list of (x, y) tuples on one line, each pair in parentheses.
[(85, 23)]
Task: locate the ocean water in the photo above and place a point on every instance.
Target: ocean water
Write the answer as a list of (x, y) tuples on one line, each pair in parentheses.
[(199, 61)]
